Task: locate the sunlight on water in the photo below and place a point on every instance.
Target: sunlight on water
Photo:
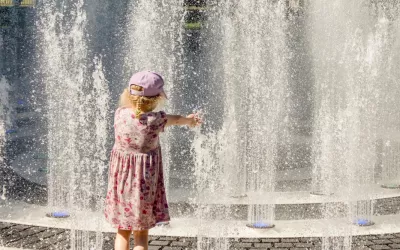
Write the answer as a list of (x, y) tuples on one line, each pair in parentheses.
[(297, 96), (253, 71), (77, 114), (352, 83)]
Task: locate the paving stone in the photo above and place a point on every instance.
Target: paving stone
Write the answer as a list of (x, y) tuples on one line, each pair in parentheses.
[(14, 229), (14, 244), (380, 247), (110, 235), (172, 248), (159, 243), (153, 237), (180, 244), (109, 245), (50, 241), (382, 242), (360, 248), (153, 248), (21, 227), (262, 245), (242, 245), (292, 240), (50, 232), (250, 240), (278, 248), (270, 240), (280, 245), (364, 243), (303, 245), (168, 238), (60, 245), (192, 239), (32, 231), (310, 239), (365, 237), (386, 236), (19, 236), (107, 239), (32, 239), (5, 225)]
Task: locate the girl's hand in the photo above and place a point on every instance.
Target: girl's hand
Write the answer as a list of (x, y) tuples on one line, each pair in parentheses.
[(194, 120)]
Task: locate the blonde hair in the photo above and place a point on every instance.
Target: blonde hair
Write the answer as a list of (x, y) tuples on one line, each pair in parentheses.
[(141, 104)]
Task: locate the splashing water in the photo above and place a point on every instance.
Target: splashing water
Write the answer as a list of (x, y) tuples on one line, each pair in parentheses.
[(3, 194), (355, 45), (252, 67), (352, 44), (5, 111), (77, 115)]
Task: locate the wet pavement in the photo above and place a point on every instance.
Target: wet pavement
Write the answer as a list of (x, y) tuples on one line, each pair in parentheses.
[(17, 236)]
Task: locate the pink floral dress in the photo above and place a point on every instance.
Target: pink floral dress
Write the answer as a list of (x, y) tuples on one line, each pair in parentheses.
[(136, 198)]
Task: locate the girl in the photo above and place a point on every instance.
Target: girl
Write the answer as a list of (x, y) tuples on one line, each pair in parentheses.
[(136, 198)]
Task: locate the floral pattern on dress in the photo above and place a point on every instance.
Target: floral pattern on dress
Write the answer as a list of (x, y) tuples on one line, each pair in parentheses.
[(136, 198)]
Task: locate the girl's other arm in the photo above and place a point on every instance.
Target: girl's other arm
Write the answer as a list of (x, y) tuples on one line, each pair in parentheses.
[(191, 120)]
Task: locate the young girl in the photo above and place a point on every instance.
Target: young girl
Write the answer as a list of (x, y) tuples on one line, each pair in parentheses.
[(136, 198)]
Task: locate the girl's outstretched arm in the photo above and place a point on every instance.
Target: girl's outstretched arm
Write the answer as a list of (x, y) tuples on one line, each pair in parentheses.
[(191, 120)]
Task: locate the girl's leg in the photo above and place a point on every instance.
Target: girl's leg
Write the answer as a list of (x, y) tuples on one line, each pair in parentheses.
[(140, 239), (122, 240)]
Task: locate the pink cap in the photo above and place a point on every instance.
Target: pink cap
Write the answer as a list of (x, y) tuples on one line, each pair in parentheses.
[(151, 82)]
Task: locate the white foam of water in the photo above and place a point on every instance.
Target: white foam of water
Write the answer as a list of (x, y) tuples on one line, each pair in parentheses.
[(76, 112), (63, 78), (353, 70), (253, 69)]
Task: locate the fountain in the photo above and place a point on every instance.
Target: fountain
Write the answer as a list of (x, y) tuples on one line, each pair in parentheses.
[(353, 45), (300, 102), (77, 114), (252, 66)]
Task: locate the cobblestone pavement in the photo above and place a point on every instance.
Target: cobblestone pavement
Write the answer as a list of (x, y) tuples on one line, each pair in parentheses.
[(34, 237)]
